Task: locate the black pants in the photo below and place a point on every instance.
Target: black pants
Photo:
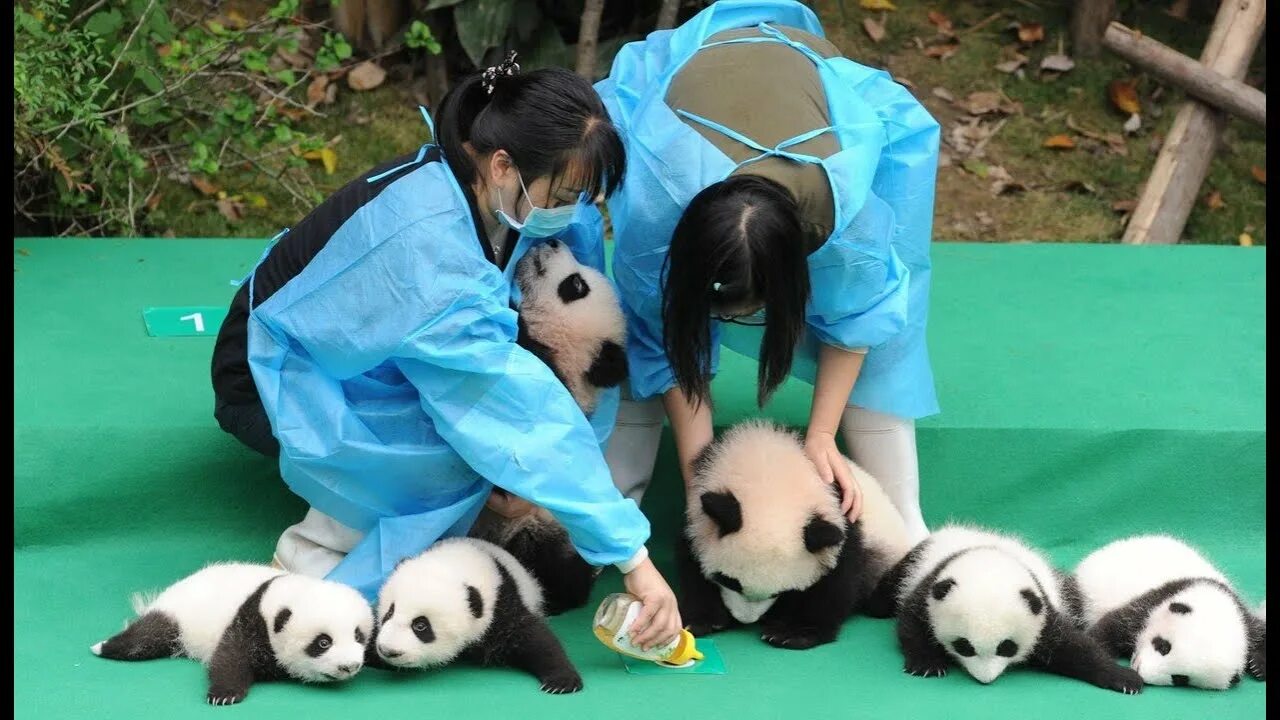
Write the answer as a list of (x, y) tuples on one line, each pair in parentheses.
[(248, 423)]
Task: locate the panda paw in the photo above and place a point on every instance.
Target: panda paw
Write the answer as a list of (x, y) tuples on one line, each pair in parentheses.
[(791, 639), (224, 697), (563, 684), (1121, 679), (1258, 666), (925, 670)]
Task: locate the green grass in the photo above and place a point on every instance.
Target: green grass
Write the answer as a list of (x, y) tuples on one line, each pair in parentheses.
[(1046, 211)]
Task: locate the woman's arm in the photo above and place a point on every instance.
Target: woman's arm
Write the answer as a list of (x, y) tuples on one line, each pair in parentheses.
[(837, 372), (691, 426)]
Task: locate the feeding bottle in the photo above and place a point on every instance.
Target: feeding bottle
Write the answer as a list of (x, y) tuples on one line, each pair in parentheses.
[(612, 626)]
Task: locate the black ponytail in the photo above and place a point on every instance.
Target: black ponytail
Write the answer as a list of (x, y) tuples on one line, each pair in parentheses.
[(549, 120)]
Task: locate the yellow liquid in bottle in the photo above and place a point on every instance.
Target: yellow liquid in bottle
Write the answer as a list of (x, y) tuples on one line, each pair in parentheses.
[(612, 626)]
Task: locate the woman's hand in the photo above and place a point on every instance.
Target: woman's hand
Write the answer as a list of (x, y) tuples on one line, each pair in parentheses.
[(659, 620), (821, 448), (507, 505)]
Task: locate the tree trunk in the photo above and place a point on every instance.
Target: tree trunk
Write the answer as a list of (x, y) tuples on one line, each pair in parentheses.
[(588, 37), (1089, 20), (667, 14), (1201, 82), (1183, 162)]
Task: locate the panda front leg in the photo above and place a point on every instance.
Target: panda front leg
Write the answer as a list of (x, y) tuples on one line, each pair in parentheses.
[(1065, 650), (230, 670), (540, 654), (922, 654), (806, 619), (1258, 648), (701, 605)]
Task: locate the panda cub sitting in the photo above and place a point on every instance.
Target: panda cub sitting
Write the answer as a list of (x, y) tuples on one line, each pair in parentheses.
[(766, 541), (1155, 600), (570, 318), (986, 602), (250, 623)]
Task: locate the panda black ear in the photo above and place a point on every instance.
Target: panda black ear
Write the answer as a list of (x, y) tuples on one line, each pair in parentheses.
[(609, 368), (282, 617), (724, 510), (1034, 603), (942, 587), (475, 600), (821, 534)]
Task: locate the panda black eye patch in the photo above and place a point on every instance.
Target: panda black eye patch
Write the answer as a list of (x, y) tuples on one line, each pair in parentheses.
[(359, 636), (1161, 645), (1180, 608), (319, 645), (1007, 649), (422, 628), (727, 582), (963, 648), (573, 288)]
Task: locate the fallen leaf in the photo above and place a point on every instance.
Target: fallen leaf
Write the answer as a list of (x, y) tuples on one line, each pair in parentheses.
[(204, 186), (944, 93), (1030, 33), (1124, 206), (154, 201), (976, 167), (1057, 63), (981, 103), (1214, 200), (1133, 123), (1178, 9), (232, 210), (297, 60), (942, 22), (326, 156), (1080, 186), (942, 52), (968, 138), (944, 159), (366, 76), (1002, 183), (331, 94), (1059, 142), (1246, 240), (1124, 95), (875, 30), (316, 90), (1012, 66), (236, 20), (876, 5), (1259, 174)]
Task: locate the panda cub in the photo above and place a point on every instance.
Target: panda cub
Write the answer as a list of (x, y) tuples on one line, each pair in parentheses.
[(570, 318), (765, 541), (987, 602), (1158, 602), (469, 599), (250, 623)]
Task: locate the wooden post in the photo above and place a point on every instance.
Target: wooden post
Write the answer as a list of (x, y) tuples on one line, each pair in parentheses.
[(588, 37), (1183, 162), (1088, 19), (1173, 67)]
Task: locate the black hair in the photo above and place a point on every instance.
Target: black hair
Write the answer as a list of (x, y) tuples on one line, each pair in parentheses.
[(738, 243), (548, 120)]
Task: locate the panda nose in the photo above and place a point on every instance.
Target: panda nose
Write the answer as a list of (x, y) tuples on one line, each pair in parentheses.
[(350, 669)]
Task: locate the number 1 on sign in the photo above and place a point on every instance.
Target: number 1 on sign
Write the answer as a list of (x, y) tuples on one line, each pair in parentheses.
[(198, 318)]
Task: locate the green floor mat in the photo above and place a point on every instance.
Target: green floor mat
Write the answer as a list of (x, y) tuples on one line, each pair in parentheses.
[(1088, 392)]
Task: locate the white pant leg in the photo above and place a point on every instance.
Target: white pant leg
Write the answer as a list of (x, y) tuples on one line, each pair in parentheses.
[(885, 446), (633, 446), (316, 545)]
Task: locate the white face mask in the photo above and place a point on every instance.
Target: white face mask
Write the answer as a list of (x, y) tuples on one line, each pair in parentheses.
[(540, 222)]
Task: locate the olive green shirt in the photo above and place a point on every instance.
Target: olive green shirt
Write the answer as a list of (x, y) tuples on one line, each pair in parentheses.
[(768, 92)]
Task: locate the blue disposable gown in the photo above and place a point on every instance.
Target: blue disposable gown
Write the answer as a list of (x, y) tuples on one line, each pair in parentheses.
[(870, 279), (390, 373)]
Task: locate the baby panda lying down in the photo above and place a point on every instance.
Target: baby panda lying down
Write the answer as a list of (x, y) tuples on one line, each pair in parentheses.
[(247, 624)]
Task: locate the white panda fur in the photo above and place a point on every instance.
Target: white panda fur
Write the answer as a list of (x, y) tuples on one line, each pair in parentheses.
[(986, 601), (1162, 604), (238, 616), (468, 599), (570, 318), (765, 540)]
